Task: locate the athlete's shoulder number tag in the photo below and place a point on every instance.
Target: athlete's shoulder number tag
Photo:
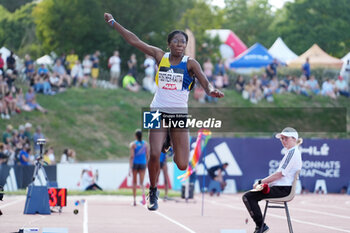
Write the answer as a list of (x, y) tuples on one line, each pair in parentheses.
[(170, 78)]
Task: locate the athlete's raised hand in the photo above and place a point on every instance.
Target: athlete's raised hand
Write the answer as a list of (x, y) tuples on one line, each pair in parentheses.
[(216, 93), (109, 18)]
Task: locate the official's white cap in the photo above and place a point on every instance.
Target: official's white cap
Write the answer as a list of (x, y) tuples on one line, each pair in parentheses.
[(288, 132)]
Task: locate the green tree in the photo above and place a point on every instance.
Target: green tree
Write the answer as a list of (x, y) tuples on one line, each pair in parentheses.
[(13, 5), (324, 22), (153, 27), (63, 25), (17, 28), (249, 19), (199, 19)]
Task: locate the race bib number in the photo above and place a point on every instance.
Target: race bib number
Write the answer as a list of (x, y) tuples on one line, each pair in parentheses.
[(170, 78)]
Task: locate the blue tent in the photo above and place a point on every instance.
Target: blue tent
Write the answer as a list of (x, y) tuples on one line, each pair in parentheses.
[(255, 57)]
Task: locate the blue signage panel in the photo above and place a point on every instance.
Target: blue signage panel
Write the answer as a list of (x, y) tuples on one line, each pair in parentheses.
[(250, 159)]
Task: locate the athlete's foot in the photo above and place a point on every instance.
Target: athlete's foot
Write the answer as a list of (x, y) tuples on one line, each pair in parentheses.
[(152, 199)]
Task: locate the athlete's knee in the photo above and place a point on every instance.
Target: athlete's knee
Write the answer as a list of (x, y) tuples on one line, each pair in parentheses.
[(182, 165), (154, 157)]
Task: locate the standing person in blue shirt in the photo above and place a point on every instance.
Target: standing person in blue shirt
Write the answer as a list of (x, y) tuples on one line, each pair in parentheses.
[(139, 155), (24, 155), (306, 69), (175, 78)]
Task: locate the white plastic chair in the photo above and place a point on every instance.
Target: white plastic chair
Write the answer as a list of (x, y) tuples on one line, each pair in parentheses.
[(281, 202)]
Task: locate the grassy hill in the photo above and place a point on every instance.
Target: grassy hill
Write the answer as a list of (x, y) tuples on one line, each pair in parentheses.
[(99, 123)]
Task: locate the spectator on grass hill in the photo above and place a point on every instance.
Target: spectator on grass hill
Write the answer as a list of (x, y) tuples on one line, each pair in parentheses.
[(31, 101), (132, 64), (59, 70), (312, 85), (29, 72), (220, 76), (49, 156), (130, 83), (87, 66), (77, 74), (3, 156), (71, 60), (24, 156), (271, 69), (2, 63), (37, 135), (68, 156), (328, 89), (6, 136), (306, 69), (27, 133), (148, 82), (114, 65), (342, 87), (20, 101), (208, 69), (95, 67), (11, 63), (240, 83)]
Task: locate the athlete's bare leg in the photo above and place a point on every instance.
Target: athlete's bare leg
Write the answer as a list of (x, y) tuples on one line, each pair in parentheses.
[(166, 177), (142, 177), (156, 140), (134, 184), (181, 145)]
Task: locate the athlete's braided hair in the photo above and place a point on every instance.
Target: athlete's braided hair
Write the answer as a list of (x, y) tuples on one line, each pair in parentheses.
[(173, 33)]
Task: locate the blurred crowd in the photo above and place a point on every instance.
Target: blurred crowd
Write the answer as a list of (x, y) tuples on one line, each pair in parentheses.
[(19, 147), (266, 85)]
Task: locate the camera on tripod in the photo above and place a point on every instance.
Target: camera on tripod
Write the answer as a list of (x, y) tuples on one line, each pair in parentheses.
[(41, 142)]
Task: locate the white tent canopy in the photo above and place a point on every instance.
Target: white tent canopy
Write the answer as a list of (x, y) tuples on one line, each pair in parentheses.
[(346, 57), (345, 60), (281, 52), (46, 59), (4, 53)]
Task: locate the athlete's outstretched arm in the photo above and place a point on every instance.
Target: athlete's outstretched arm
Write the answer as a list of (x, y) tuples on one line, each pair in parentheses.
[(195, 68), (133, 40)]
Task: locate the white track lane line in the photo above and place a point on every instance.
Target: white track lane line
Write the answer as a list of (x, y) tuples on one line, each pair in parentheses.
[(11, 203), (174, 221), (321, 213), (293, 219), (323, 206), (312, 224), (171, 220), (85, 221)]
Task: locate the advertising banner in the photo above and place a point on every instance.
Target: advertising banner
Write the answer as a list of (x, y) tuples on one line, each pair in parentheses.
[(250, 159)]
